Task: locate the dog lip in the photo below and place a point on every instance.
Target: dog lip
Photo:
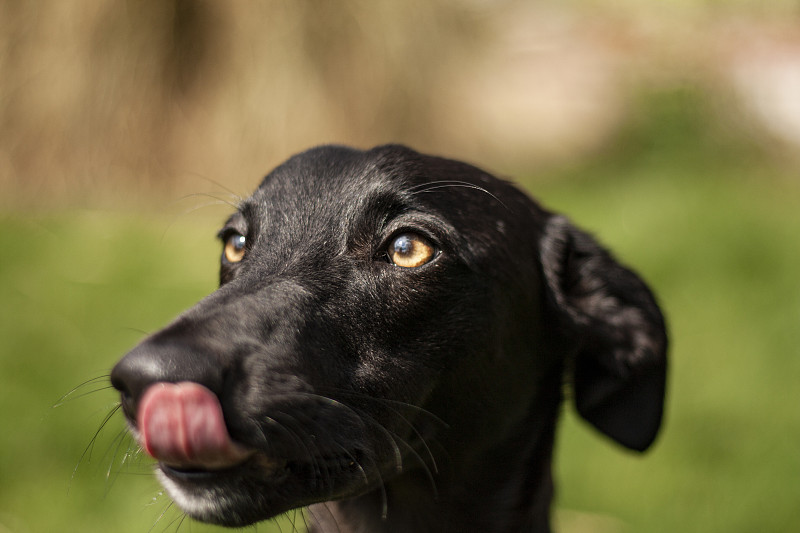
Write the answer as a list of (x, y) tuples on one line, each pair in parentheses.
[(190, 474), (257, 462)]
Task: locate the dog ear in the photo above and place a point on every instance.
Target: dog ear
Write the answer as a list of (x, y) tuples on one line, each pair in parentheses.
[(619, 370)]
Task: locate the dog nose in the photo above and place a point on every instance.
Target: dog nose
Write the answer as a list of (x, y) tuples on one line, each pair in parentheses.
[(154, 361), (134, 373), (138, 369)]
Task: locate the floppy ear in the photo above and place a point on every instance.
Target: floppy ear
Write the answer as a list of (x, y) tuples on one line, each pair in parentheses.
[(619, 370)]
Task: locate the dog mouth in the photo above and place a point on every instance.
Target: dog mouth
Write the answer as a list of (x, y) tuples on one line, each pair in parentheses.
[(182, 426), (217, 479), (263, 468), (257, 463)]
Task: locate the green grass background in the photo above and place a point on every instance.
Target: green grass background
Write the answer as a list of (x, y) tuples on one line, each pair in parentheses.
[(716, 233)]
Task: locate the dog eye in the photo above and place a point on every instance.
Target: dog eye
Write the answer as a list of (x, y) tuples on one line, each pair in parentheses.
[(234, 248), (410, 250)]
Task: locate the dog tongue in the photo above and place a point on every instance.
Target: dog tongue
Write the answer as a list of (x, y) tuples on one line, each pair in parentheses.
[(181, 425)]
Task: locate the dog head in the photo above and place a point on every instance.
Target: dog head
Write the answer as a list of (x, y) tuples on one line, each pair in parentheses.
[(378, 310)]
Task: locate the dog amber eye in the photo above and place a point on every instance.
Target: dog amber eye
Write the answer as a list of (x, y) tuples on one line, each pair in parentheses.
[(410, 250), (234, 248)]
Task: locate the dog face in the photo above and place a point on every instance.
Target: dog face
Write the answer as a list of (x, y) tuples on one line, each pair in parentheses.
[(377, 312)]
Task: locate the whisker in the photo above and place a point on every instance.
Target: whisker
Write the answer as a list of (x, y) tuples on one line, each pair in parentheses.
[(361, 415), (138, 330), (387, 403), (322, 468), (428, 472), (213, 200), (87, 452), (296, 438), (398, 456), (119, 439), (397, 440), (291, 517), (82, 395), (278, 523), (305, 521), (183, 518), (444, 184), (93, 381), (421, 186), (119, 465), (319, 467), (132, 445), (419, 436), (358, 464), (161, 516), (155, 498), (231, 192), (217, 201), (316, 515), (410, 406), (177, 521)]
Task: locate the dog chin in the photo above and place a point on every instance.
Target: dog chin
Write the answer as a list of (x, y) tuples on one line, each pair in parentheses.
[(212, 503)]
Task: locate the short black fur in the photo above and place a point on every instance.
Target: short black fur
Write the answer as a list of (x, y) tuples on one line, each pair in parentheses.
[(394, 399)]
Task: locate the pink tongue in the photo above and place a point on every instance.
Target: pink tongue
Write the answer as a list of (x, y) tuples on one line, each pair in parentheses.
[(181, 425)]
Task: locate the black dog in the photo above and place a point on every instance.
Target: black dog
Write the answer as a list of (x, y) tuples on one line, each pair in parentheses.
[(389, 346)]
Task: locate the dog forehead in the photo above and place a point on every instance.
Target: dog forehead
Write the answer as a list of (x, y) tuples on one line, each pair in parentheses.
[(321, 193), (339, 176), (309, 194)]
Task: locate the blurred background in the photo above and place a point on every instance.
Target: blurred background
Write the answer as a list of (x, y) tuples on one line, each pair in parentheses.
[(672, 132)]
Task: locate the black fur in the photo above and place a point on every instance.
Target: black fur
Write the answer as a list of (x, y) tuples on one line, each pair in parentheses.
[(404, 399)]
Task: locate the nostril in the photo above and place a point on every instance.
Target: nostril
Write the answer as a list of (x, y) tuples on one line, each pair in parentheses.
[(130, 377), (118, 383), (123, 378), (127, 400)]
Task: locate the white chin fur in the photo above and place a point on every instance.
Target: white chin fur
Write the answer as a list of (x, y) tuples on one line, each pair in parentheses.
[(199, 506)]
